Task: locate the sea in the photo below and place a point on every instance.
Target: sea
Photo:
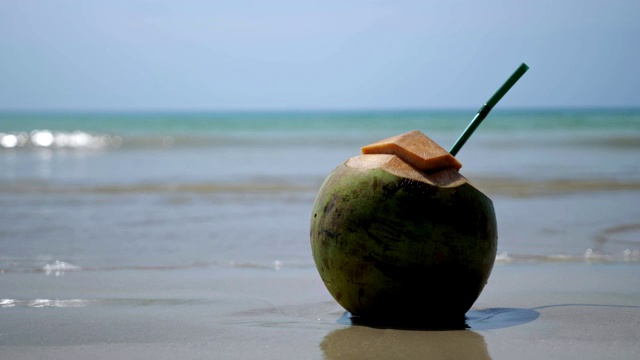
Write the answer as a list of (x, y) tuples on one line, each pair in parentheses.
[(108, 191)]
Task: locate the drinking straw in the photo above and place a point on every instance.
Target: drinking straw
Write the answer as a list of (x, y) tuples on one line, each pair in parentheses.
[(484, 110)]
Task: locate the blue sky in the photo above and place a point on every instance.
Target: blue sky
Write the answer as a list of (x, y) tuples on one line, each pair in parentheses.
[(215, 55)]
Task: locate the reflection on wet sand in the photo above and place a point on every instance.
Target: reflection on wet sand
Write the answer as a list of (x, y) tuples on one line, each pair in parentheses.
[(362, 342), (457, 340)]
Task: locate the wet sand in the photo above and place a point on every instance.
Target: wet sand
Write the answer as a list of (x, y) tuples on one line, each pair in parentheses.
[(560, 310)]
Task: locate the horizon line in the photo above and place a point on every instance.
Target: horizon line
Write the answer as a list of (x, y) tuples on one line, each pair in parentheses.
[(151, 110)]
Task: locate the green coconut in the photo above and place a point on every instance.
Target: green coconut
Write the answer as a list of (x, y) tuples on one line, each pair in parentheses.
[(398, 233)]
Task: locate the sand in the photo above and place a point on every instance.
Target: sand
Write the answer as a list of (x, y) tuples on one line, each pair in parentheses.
[(562, 310)]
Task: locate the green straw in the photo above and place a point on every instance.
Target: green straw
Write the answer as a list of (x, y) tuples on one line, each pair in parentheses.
[(484, 110)]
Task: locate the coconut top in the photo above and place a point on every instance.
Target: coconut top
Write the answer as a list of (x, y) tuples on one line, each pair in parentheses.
[(417, 149), (411, 155)]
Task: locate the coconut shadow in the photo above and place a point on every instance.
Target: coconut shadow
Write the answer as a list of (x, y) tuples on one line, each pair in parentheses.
[(484, 319)]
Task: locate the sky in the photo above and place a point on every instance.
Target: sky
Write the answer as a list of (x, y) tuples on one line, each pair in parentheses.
[(330, 54)]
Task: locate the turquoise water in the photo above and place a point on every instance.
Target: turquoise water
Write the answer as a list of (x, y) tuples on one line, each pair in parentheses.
[(140, 190), (171, 122), (294, 147)]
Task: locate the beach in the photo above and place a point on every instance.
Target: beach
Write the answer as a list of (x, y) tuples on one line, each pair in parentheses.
[(529, 311), (187, 235)]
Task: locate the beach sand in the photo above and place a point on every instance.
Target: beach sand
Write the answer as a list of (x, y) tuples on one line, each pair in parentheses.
[(564, 310)]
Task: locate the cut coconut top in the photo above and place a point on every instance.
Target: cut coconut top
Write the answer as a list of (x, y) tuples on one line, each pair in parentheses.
[(448, 177), (416, 149)]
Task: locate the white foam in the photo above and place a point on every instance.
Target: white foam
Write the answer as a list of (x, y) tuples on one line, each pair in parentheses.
[(629, 255), (59, 140), (504, 258), (278, 264), (592, 255), (58, 268), (43, 138), (41, 303), (8, 140)]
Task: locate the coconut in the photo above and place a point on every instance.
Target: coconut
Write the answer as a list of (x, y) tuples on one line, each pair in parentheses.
[(398, 234)]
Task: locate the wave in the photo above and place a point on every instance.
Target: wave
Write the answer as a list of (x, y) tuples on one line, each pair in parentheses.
[(40, 303), (62, 268), (589, 256), (522, 188), (58, 140), (82, 140), (201, 188), (493, 186), (78, 303)]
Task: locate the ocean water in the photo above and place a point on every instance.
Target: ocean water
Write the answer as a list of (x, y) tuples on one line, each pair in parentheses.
[(110, 191)]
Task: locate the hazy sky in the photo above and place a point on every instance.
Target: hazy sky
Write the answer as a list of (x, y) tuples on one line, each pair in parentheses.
[(330, 54)]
